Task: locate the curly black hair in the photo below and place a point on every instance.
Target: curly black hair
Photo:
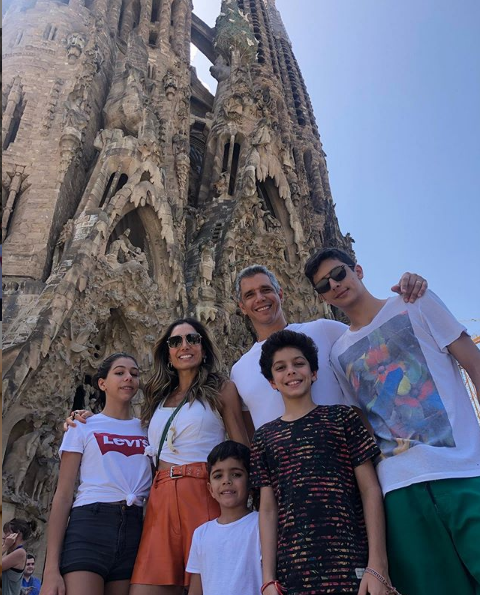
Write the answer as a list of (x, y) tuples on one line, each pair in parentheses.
[(283, 339)]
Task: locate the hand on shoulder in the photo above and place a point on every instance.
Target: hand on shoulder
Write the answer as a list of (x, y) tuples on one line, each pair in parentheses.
[(411, 287)]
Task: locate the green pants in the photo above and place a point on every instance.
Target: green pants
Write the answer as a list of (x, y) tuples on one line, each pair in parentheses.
[(433, 537)]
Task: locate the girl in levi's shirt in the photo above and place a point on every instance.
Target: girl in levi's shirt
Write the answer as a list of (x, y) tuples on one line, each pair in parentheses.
[(93, 540)]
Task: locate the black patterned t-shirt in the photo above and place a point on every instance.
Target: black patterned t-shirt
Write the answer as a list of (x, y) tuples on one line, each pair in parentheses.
[(309, 463)]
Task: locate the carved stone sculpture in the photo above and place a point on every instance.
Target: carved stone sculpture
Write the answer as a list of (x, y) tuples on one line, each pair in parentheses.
[(75, 44), (19, 459), (121, 250), (207, 263)]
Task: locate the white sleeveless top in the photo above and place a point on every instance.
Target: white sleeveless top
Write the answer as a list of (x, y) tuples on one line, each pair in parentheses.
[(195, 430)]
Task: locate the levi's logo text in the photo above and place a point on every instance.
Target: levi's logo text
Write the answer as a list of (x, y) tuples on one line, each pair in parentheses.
[(127, 445)]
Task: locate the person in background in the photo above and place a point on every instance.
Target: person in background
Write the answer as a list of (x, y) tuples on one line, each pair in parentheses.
[(30, 584), (14, 556)]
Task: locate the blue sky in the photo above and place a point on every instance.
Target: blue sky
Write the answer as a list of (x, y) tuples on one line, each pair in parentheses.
[(395, 88)]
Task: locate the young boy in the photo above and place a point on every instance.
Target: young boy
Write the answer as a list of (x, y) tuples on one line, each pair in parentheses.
[(313, 467), (225, 554), (398, 362)]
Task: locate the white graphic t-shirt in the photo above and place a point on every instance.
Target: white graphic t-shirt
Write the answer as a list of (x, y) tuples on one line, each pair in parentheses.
[(399, 371), (113, 466), (264, 403)]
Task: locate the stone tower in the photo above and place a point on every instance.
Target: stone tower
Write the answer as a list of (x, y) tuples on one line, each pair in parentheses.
[(132, 196)]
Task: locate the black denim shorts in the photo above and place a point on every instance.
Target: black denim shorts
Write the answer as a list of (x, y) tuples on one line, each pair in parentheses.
[(102, 538)]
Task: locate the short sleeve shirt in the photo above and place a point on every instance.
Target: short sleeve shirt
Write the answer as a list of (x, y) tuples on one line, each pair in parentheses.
[(310, 465), (399, 371), (264, 403), (113, 466)]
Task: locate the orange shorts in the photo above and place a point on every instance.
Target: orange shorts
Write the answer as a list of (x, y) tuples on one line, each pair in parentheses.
[(179, 502)]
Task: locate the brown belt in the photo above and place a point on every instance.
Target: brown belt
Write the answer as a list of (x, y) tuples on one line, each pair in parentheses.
[(197, 470)]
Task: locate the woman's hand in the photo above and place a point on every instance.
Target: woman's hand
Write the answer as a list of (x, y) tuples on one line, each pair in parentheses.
[(53, 584), (9, 541), (80, 415)]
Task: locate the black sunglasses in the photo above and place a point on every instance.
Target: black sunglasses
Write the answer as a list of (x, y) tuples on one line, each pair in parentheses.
[(177, 340), (337, 274)]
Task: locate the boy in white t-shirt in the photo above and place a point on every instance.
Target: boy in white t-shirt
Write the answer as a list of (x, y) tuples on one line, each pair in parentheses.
[(225, 554), (398, 362)]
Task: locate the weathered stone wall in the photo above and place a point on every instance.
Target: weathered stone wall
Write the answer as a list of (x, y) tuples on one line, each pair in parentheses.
[(133, 196)]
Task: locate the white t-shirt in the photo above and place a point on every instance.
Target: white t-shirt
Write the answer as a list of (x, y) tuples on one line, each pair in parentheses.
[(113, 466), (399, 371), (227, 557), (194, 431), (266, 404)]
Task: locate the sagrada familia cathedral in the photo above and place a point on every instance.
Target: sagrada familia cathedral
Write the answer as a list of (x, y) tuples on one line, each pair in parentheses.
[(131, 195)]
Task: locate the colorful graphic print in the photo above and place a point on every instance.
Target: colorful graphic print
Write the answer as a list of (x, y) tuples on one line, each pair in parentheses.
[(390, 376)]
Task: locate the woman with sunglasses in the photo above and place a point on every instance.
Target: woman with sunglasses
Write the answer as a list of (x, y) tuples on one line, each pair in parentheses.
[(188, 406)]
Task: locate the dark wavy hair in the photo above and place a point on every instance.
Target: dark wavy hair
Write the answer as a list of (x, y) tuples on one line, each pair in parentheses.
[(102, 372), (283, 339), (206, 385), (22, 526)]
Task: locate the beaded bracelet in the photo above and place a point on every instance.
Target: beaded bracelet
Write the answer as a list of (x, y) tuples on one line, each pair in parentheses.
[(390, 588), (277, 586)]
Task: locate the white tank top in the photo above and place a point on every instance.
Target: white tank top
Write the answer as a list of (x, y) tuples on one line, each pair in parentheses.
[(195, 430)]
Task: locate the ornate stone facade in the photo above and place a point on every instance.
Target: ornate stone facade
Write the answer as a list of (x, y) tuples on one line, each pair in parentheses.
[(132, 196)]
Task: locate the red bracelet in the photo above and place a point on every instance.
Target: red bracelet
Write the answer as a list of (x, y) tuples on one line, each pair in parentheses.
[(280, 590)]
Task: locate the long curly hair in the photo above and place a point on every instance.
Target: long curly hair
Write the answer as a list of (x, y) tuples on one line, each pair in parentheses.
[(205, 387)]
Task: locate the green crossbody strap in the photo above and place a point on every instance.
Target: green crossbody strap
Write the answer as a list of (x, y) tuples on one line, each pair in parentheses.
[(167, 427)]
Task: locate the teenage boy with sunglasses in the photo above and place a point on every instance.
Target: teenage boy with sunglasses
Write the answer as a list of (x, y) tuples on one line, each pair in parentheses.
[(259, 297), (398, 362)]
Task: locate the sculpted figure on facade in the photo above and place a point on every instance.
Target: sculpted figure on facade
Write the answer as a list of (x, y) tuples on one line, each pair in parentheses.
[(75, 44), (207, 263), (62, 244), (170, 84), (220, 70), (182, 161), (121, 250), (249, 186), (46, 462), (19, 459), (220, 187), (233, 107), (125, 104)]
